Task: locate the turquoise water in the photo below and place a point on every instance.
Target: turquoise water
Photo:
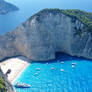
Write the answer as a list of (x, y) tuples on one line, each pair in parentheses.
[(27, 8), (73, 79)]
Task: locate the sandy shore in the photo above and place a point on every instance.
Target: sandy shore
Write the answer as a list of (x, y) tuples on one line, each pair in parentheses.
[(17, 65)]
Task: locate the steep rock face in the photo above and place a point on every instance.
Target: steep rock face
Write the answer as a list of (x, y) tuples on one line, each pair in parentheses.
[(5, 86), (46, 33), (6, 7)]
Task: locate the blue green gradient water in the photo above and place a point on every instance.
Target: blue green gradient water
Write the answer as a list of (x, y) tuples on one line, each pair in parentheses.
[(77, 79)]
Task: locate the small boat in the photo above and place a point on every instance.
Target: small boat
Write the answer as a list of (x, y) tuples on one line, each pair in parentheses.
[(62, 62), (36, 74), (47, 63), (73, 66), (62, 70), (21, 85), (37, 69), (52, 68), (73, 63)]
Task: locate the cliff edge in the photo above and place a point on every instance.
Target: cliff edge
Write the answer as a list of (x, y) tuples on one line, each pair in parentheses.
[(50, 31)]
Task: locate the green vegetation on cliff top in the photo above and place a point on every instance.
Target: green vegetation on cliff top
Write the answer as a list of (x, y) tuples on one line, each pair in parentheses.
[(2, 85), (83, 16)]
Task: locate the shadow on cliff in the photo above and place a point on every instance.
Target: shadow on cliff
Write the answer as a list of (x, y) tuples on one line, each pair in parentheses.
[(63, 57), (59, 58)]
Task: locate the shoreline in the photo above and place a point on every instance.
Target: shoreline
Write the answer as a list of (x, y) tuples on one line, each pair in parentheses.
[(19, 73), (16, 65)]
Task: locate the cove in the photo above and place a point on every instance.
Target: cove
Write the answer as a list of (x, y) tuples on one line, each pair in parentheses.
[(72, 79)]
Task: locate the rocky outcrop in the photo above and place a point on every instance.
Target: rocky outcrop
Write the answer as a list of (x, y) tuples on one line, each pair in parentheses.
[(46, 33), (6, 7), (5, 86)]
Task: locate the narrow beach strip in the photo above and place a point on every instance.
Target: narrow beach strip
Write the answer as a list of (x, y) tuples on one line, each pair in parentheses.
[(16, 65)]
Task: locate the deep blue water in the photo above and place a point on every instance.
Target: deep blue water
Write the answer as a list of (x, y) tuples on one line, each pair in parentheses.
[(27, 8), (73, 79)]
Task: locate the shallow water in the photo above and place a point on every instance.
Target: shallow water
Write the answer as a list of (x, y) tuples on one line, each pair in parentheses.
[(27, 8), (73, 79)]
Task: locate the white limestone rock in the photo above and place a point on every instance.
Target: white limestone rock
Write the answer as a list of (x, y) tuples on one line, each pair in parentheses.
[(46, 33)]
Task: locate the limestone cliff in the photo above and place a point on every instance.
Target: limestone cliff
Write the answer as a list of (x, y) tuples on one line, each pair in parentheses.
[(46, 33), (5, 86), (6, 7)]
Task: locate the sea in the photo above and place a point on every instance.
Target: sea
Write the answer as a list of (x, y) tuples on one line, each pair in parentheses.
[(58, 75), (53, 76), (27, 8)]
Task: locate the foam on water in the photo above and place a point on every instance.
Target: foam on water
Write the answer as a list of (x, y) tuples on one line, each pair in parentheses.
[(72, 79)]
